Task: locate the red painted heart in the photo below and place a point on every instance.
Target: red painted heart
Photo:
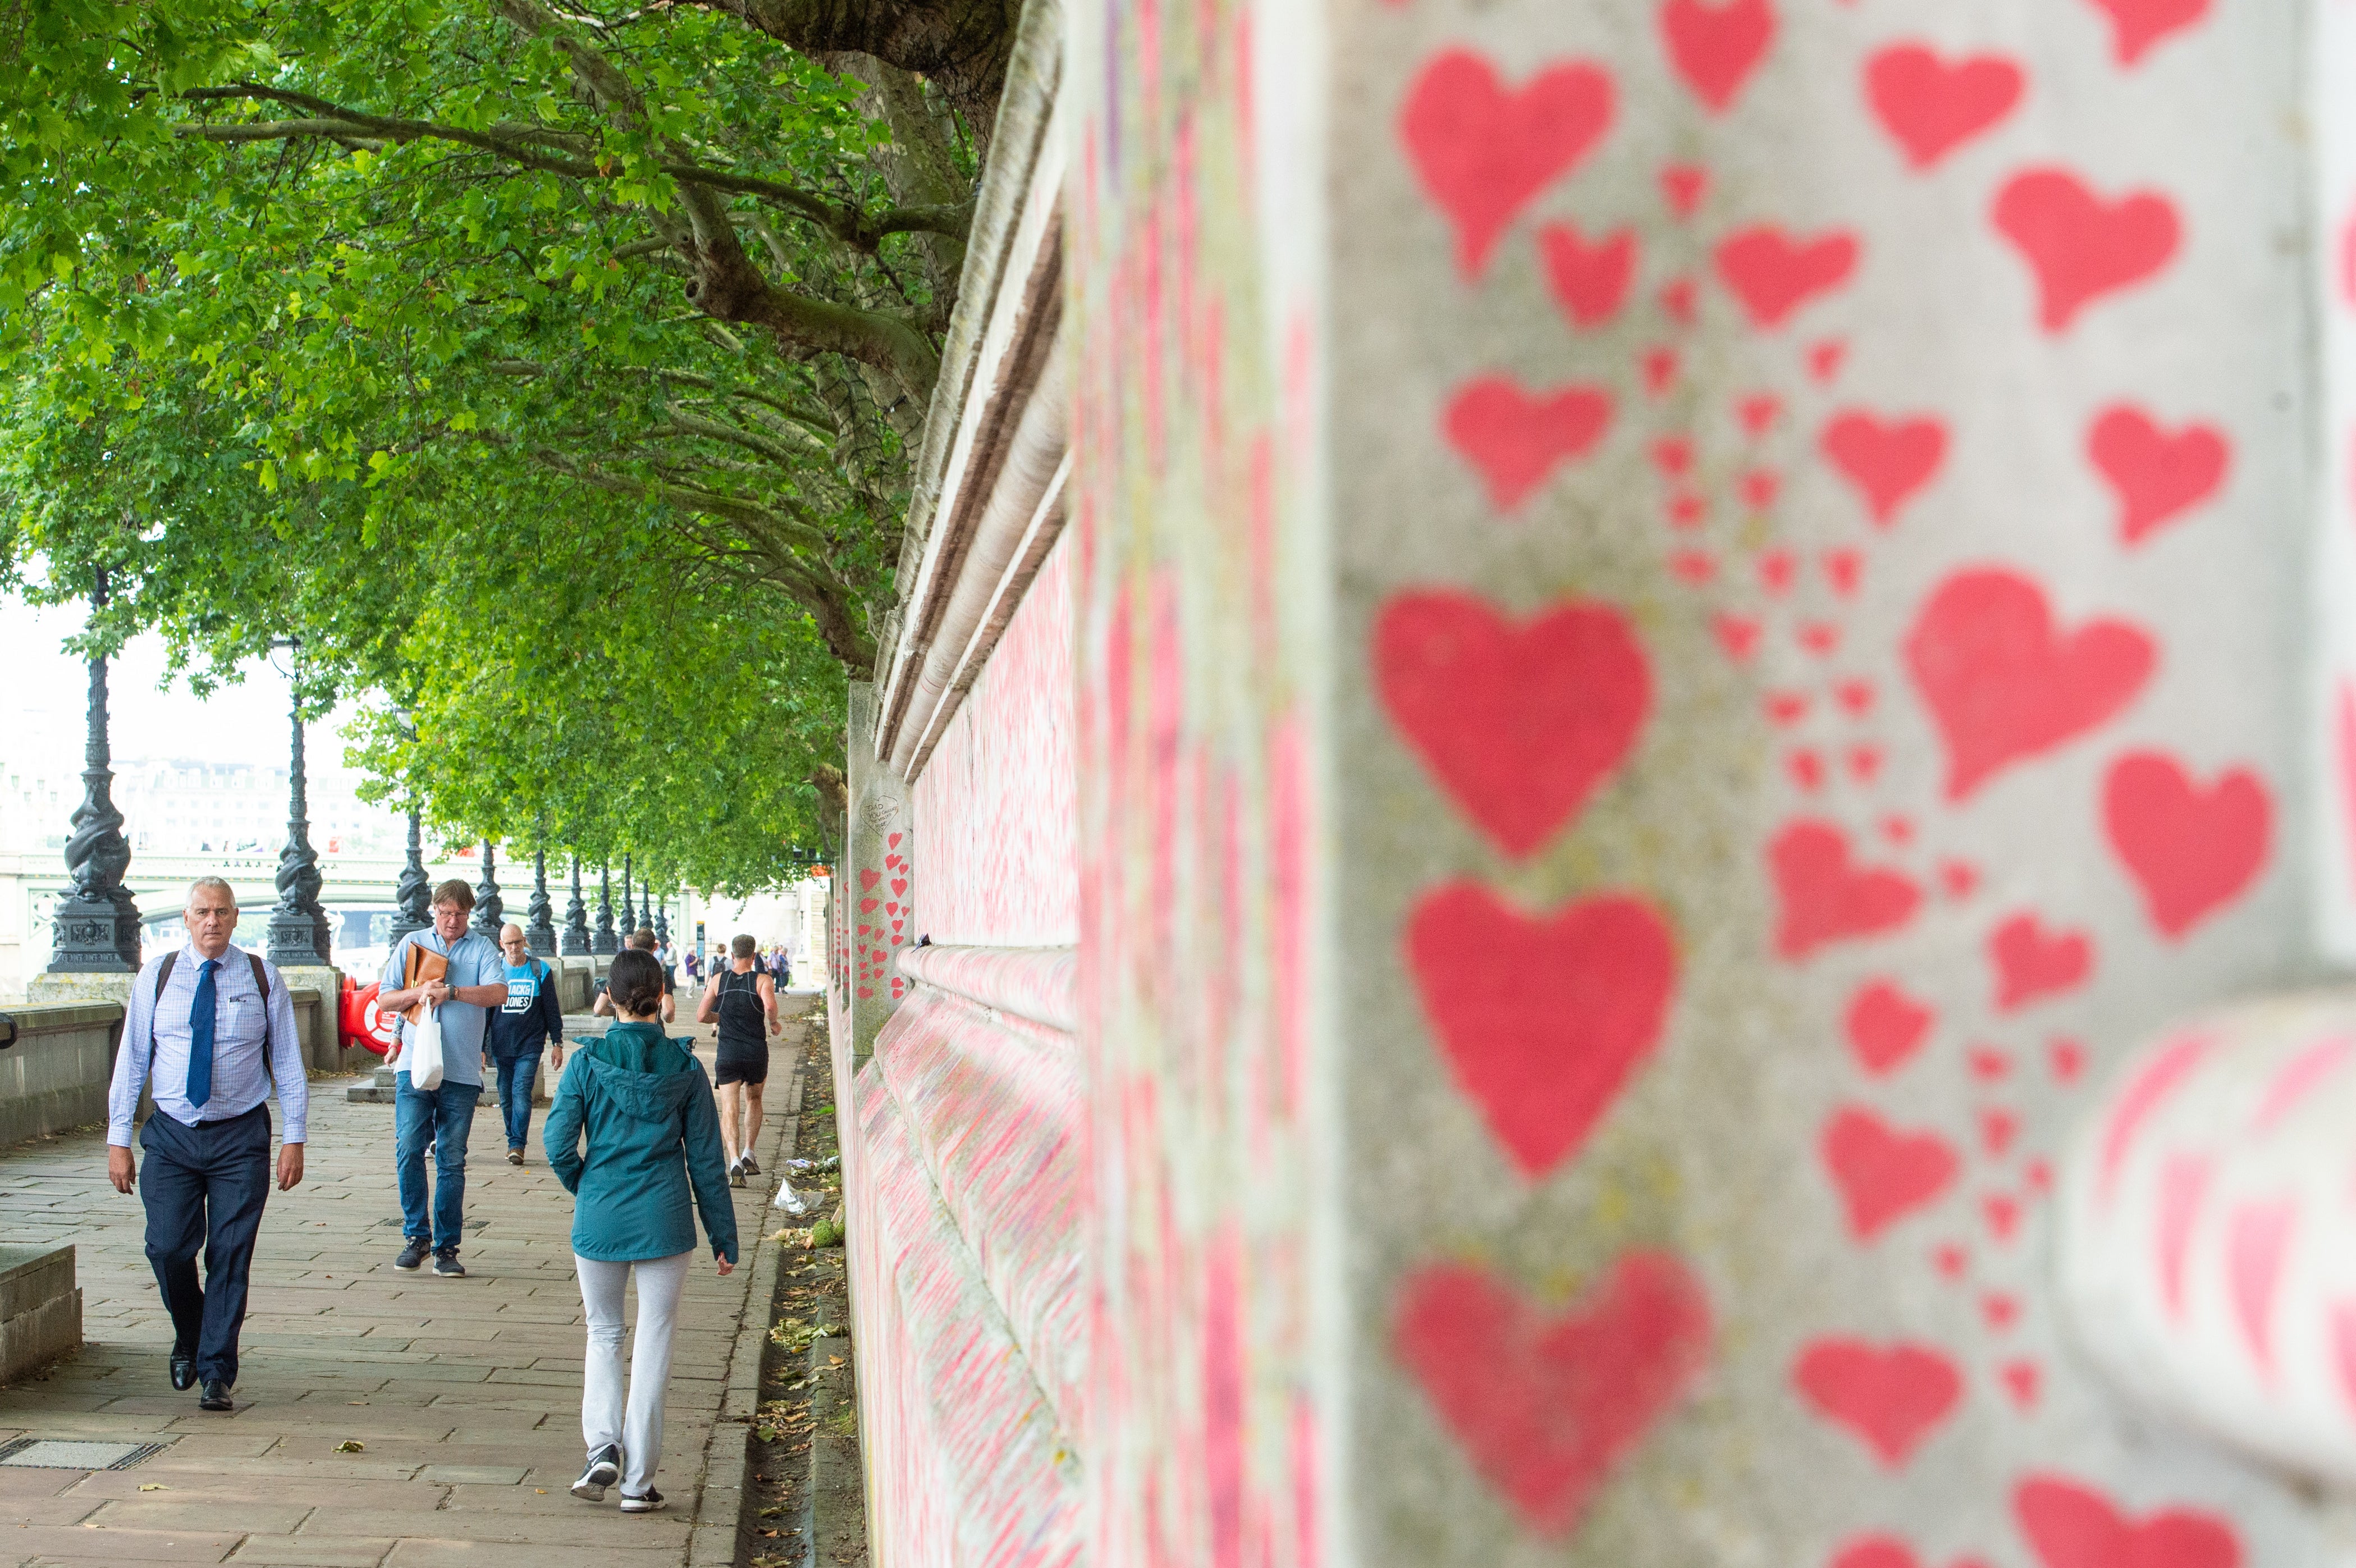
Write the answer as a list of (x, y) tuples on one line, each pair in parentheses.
[(1519, 721), (1889, 1399), (1515, 437), (1929, 106), (1883, 1174), (2002, 685), (2156, 476), (868, 879), (1716, 48), (1543, 1019), (1589, 281), (1773, 275), (1825, 896), (1547, 1407), (2137, 24), (1887, 462), (2080, 246), (1483, 151), (1885, 1027), (2069, 1525), (2192, 851), (2031, 962)]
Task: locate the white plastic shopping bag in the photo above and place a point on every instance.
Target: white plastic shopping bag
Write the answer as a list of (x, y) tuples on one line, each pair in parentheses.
[(423, 1057)]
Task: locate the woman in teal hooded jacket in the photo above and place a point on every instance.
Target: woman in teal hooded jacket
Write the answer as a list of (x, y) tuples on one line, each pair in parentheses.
[(653, 1135)]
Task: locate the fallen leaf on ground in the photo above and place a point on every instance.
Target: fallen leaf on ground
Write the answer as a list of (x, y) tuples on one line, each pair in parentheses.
[(348, 1446)]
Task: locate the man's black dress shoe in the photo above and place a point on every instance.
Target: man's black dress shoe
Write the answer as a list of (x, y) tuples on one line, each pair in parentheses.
[(216, 1396), (184, 1369)]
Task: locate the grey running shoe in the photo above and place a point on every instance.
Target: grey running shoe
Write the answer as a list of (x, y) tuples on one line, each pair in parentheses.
[(605, 1468), (413, 1253), (447, 1266), (648, 1504)]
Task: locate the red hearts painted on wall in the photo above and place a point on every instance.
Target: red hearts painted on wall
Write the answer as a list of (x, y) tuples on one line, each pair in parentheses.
[(1739, 634), (1885, 1025), (2137, 24), (1891, 1399), (2192, 851), (2080, 246), (1589, 281), (2002, 685), (868, 879), (1887, 1552), (1883, 1174), (1825, 896), (2156, 476), (1773, 275), (1548, 1406), (1542, 1019), (1515, 437), (2071, 1525), (1932, 106), (1888, 461), (1683, 186), (1716, 48), (2031, 962), (1483, 150), (1520, 720)]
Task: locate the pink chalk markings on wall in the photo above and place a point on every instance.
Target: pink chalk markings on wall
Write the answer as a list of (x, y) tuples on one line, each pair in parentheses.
[(2071, 1525), (1543, 1020), (1521, 721), (1890, 1398), (2190, 850), (2003, 683), (2158, 475), (1930, 106), (2078, 246), (1483, 150), (1548, 1406)]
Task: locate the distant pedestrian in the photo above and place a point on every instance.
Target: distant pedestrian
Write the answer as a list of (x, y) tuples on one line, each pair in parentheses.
[(645, 1108), (530, 1018), (694, 968), (641, 940), (210, 1031), (470, 979), (740, 999)]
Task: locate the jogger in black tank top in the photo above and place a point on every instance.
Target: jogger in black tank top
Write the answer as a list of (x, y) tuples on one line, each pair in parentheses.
[(743, 1002)]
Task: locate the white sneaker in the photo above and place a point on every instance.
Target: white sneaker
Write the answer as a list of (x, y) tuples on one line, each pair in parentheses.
[(648, 1504)]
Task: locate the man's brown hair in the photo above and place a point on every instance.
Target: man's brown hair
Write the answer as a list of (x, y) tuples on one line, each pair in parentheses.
[(643, 940), (455, 892)]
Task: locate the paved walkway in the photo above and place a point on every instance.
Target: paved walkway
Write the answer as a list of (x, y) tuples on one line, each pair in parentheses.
[(383, 1418)]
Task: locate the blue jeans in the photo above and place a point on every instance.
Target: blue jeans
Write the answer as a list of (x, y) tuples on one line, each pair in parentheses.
[(518, 1076), (446, 1115)]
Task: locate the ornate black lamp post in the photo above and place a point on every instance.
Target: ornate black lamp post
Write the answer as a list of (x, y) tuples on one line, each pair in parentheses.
[(646, 908), (298, 927), (412, 893), (540, 936), (625, 892), (97, 925), (576, 920), (602, 943), (488, 910), (662, 921)]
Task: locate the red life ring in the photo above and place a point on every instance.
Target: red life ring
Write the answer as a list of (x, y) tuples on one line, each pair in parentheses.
[(360, 1024)]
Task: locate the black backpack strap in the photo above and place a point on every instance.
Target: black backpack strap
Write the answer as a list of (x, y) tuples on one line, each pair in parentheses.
[(261, 985), (163, 979)]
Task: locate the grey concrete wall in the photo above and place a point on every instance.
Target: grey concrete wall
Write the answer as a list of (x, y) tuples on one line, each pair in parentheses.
[(41, 1308), (54, 1076)]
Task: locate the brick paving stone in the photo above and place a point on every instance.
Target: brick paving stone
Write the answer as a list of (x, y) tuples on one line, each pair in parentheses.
[(464, 1394)]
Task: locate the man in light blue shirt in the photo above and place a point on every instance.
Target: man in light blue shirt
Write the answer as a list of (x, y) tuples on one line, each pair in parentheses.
[(475, 982), (211, 1030)]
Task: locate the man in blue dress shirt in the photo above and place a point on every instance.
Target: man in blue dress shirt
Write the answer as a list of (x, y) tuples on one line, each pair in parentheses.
[(475, 982), (210, 1030)]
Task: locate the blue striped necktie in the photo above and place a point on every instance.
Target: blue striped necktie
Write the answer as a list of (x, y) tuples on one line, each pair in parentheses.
[(201, 1037)]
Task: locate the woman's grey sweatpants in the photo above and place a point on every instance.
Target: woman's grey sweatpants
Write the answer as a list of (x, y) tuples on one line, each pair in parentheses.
[(639, 1435)]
